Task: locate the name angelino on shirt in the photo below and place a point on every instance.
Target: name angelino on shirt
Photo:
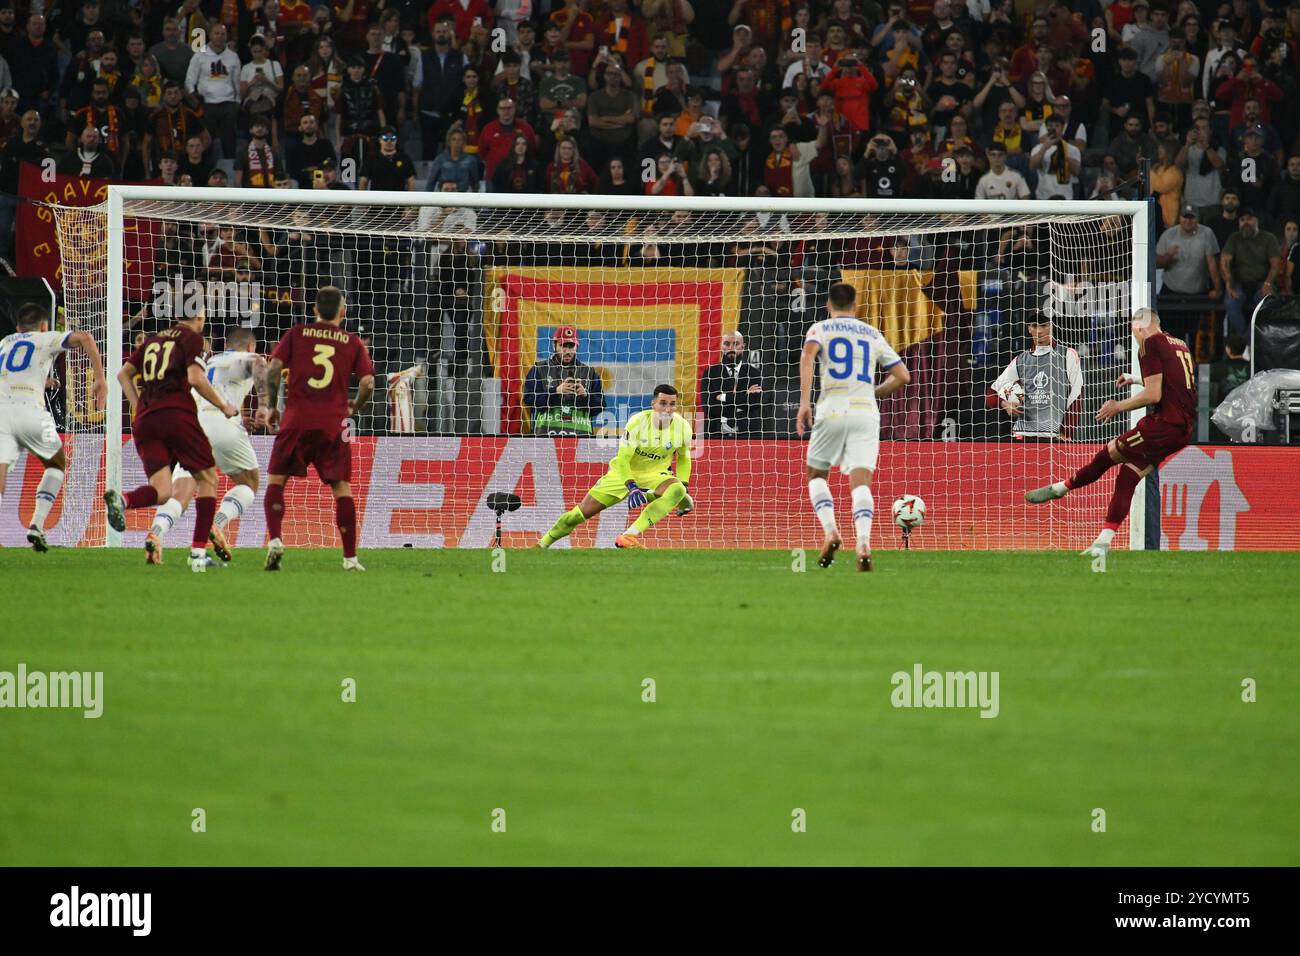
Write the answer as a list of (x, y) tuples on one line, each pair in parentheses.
[(331, 335)]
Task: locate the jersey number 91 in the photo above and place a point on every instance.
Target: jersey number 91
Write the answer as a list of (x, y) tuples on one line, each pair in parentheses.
[(840, 359)]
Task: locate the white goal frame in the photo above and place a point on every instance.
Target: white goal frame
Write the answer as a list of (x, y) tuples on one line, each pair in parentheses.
[(118, 195)]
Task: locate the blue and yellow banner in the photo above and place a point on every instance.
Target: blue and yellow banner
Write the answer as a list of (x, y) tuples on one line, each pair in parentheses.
[(636, 327)]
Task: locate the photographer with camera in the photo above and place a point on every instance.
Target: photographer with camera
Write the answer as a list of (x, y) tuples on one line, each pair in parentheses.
[(1056, 161), (882, 170), (997, 89), (852, 83), (562, 394), (670, 178), (1248, 83)]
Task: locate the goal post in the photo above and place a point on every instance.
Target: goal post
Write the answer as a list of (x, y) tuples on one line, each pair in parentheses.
[(112, 349), (461, 296)]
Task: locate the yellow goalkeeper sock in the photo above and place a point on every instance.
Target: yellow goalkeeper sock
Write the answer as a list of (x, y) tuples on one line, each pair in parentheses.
[(563, 528), (652, 512)]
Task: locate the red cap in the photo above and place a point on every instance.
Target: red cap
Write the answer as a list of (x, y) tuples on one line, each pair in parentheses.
[(566, 333)]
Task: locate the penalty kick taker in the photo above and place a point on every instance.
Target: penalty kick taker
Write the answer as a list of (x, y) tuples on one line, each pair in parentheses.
[(652, 443)]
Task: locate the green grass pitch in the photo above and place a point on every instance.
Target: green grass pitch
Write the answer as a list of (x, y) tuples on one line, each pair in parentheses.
[(522, 690)]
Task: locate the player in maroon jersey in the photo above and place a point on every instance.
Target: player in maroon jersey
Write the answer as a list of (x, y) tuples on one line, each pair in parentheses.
[(1169, 387), (165, 424), (321, 358)]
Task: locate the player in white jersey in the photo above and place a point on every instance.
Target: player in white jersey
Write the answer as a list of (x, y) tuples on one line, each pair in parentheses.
[(25, 422), (847, 428), (233, 373)]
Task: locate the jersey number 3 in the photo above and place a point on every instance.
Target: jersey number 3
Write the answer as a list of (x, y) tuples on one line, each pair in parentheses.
[(839, 352), (323, 356)]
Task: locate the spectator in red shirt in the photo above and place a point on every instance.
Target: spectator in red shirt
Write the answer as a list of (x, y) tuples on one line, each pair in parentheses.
[(1024, 61), (852, 84), (497, 138), (577, 34), (746, 103), (1249, 84), (569, 173), (295, 16), (465, 13), (670, 178), (351, 28)]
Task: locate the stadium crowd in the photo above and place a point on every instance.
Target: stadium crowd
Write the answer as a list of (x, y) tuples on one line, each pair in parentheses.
[(985, 99)]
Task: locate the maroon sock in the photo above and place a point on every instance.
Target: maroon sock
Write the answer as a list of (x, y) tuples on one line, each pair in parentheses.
[(345, 516), (1125, 482), (143, 497), (1090, 472), (204, 510), (273, 504)]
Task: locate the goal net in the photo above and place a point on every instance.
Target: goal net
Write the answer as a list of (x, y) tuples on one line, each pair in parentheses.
[(467, 302)]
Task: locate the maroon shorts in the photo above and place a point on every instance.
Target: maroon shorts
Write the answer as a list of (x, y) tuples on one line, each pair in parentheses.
[(1152, 441), (296, 448), (172, 436)]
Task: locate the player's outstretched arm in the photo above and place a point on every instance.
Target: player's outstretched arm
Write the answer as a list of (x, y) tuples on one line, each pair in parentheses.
[(365, 388), (86, 343), (1152, 389), (199, 382), (898, 376)]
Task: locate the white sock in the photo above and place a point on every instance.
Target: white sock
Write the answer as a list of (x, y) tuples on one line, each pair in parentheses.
[(46, 492), (1106, 537), (165, 517), (233, 506), (864, 509), (819, 493), (1060, 487)]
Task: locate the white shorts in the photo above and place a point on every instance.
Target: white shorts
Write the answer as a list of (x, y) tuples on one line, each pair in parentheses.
[(231, 449), (848, 439), (29, 427)]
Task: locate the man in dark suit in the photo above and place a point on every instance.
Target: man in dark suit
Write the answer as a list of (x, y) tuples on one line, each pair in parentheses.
[(733, 394)]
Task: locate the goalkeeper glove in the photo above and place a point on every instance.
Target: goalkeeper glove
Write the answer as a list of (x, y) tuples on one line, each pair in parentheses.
[(635, 496)]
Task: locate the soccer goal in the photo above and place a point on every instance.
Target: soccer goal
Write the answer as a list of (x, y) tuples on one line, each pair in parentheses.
[(470, 304)]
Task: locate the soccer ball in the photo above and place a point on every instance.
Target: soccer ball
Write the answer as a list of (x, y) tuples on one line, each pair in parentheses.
[(1013, 393), (909, 512)]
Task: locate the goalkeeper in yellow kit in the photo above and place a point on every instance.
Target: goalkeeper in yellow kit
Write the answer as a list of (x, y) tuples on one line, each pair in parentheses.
[(652, 442)]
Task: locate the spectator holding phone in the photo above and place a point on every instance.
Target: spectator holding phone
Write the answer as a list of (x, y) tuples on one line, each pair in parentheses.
[(563, 395)]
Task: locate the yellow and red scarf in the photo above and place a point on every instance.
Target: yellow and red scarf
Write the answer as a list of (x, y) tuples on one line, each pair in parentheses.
[(648, 88), (473, 123), (616, 34), (778, 174)]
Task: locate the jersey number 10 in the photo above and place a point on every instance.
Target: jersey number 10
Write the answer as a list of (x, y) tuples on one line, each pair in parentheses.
[(839, 353), (17, 358)]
